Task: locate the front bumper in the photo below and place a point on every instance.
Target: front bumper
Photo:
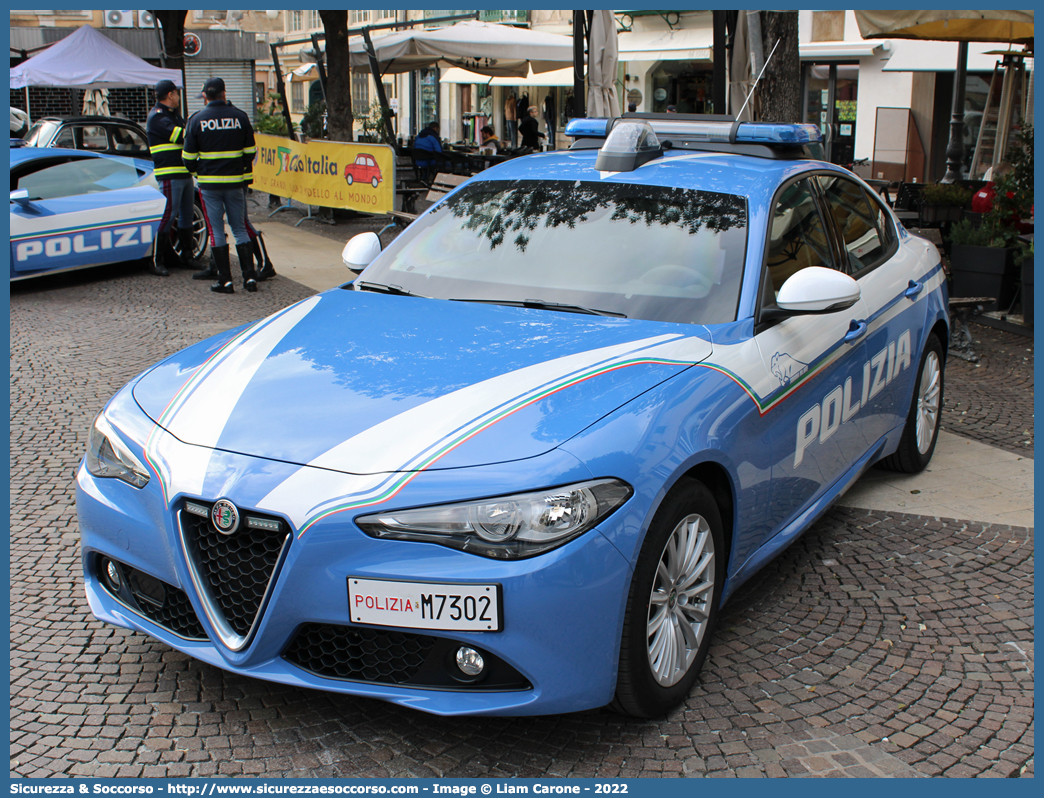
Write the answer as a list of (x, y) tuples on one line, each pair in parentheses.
[(562, 611)]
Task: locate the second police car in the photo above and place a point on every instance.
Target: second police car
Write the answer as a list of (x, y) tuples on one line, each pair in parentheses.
[(520, 463)]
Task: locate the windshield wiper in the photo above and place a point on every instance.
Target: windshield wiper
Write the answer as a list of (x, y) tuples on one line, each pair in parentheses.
[(540, 304), (380, 288)]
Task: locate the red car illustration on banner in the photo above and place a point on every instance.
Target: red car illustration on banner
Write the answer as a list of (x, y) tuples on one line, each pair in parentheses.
[(364, 169)]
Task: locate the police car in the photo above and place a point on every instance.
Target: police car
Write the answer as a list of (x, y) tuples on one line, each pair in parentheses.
[(72, 209), (518, 465)]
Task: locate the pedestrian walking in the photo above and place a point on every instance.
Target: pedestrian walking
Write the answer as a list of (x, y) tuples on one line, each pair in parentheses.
[(219, 149), (511, 119), (165, 129), (530, 129)]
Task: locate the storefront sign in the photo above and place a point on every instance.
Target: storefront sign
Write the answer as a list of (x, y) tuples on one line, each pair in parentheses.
[(635, 96), (331, 174)]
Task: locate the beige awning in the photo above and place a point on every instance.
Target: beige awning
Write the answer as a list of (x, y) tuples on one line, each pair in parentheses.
[(556, 77), (810, 51), (685, 44), (939, 57), (947, 25)]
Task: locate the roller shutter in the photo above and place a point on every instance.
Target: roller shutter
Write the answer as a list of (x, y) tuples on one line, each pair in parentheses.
[(238, 77)]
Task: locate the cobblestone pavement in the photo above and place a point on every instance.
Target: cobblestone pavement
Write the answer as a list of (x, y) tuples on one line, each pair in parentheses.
[(879, 644), (992, 401)]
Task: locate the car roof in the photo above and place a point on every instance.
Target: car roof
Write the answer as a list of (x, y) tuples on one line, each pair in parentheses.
[(726, 173), (97, 120), (20, 155)]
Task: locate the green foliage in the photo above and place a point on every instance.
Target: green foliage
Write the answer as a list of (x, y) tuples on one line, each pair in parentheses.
[(964, 232), (312, 122), (1014, 199), (270, 119), (951, 195), (373, 124)]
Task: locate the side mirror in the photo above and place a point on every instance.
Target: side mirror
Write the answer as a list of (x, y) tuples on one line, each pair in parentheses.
[(360, 251), (817, 290), (21, 196)]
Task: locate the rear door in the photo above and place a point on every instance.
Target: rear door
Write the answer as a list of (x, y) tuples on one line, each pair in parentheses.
[(81, 211), (890, 279)]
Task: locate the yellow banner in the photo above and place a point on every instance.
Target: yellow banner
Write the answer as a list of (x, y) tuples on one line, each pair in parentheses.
[(333, 174)]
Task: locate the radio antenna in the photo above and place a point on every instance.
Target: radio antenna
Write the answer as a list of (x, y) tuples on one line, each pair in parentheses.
[(763, 68)]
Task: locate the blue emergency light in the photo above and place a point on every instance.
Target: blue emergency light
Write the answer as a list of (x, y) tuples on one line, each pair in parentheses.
[(769, 133)]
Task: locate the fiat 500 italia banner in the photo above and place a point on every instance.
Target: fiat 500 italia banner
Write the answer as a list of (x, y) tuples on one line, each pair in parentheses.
[(333, 174)]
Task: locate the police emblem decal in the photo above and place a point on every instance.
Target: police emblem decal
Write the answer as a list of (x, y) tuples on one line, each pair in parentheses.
[(224, 516)]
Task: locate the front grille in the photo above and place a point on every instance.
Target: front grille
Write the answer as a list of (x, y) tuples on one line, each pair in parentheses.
[(383, 656), (163, 604), (236, 569), (368, 655)]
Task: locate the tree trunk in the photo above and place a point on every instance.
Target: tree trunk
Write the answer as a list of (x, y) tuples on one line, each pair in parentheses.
[(779, 91), (172, 24), (338, 76)]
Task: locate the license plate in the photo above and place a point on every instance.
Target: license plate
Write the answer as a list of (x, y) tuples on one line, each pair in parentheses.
[(425, 605)]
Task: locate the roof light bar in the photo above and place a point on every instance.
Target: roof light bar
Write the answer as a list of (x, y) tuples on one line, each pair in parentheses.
[(630, 144), (768, 133)]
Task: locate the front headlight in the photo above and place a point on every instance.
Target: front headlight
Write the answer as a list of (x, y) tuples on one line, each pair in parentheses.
[(108, 457), (507, 527)]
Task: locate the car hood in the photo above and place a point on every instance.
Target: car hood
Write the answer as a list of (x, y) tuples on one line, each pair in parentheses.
[(367, 383)]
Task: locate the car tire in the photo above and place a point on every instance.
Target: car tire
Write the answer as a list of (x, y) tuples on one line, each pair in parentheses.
[(921, 430), (199, 233), (348, 179), (684, 548), (374, 182)]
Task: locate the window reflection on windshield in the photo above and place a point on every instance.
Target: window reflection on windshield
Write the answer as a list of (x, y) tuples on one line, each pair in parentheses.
[(648, 252)]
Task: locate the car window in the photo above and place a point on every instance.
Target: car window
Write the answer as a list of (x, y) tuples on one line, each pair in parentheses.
[(129, 141), (648, 252), (93, 138), (859, 222), (40, 134), (81, 176), (65, 139), (797, 238)]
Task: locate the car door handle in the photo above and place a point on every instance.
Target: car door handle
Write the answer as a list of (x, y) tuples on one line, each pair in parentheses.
[(913, 289), (855, 331)]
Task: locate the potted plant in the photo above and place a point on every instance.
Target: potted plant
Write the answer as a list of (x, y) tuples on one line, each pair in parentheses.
[(943, 202), (983, 259)]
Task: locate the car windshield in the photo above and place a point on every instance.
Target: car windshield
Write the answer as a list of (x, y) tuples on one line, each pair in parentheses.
[(646, 252), (79, 176), (40, 134)]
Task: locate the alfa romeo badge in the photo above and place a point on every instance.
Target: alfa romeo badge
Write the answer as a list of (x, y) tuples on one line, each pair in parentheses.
[(224, 516)]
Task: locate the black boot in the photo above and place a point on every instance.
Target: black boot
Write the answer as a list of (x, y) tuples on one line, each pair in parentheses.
[(224, 271), (264, 264), (159, 255), (246, 263), (209, 273), (187, 245)]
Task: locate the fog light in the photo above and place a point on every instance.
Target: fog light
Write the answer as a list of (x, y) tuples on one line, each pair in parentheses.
[(469, 661), (112, 574)]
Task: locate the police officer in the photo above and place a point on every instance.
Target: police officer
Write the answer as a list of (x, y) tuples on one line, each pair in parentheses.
[(166, 131), (264, 268), (219, 149)]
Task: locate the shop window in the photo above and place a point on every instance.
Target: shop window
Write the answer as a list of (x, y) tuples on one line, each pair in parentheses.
[(360, 95)]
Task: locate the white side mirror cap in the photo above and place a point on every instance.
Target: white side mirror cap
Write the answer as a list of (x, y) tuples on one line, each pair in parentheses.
[(817, 290), (21, 196), (360, 251)]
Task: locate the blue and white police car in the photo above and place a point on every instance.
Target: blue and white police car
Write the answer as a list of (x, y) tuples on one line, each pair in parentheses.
[(72, 209), (518, 465)]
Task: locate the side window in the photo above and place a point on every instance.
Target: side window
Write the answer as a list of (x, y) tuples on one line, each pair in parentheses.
[(798, 237), (128, 140), (94, 138), (860, 222), (65, 139)]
